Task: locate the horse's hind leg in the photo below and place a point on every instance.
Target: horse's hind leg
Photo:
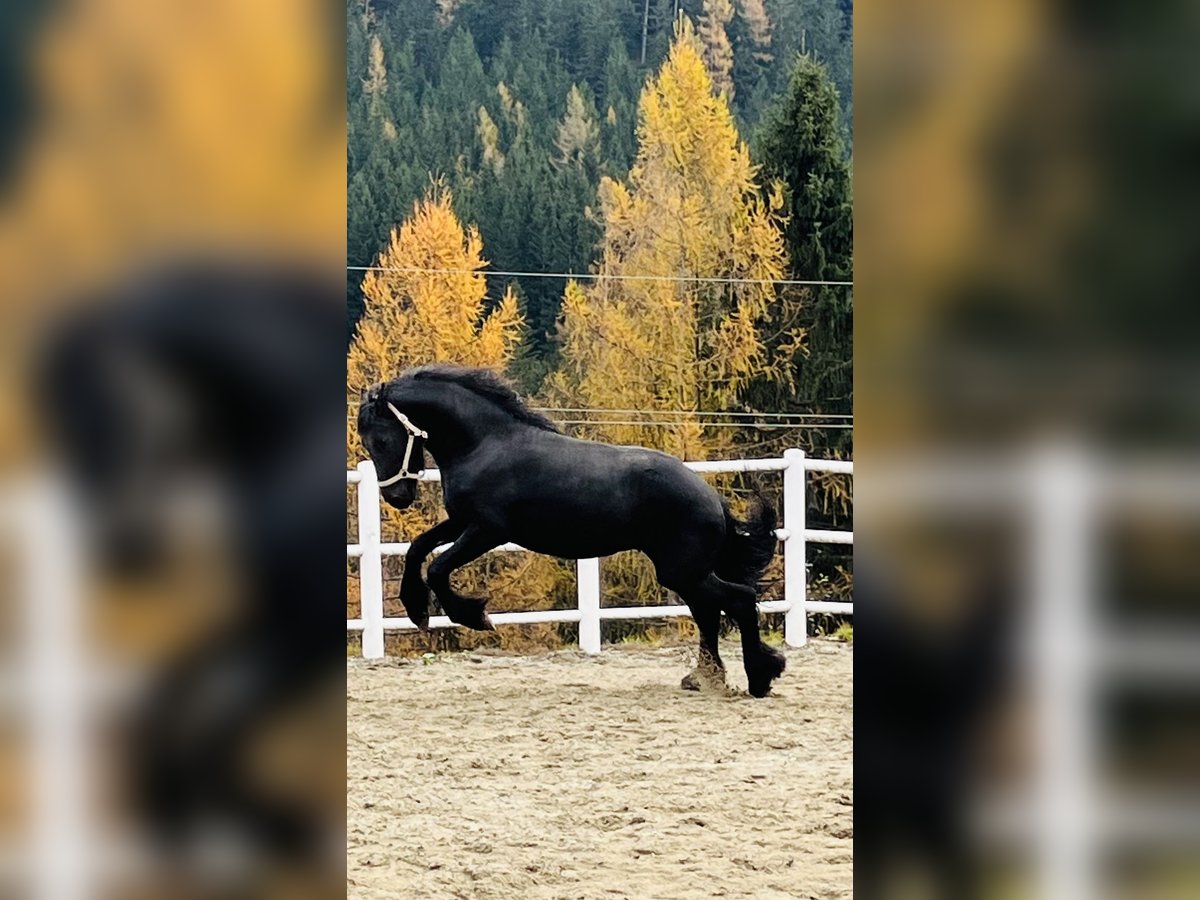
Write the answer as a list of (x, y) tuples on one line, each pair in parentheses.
[(763, 664), (472, 544), (709, 668)]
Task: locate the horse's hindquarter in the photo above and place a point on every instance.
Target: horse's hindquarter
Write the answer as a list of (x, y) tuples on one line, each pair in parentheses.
[(577, 499)]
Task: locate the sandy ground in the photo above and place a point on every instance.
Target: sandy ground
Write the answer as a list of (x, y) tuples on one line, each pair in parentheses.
[(566, 776)]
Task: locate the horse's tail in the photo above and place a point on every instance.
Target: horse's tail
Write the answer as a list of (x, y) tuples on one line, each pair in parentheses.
[(749, 545)]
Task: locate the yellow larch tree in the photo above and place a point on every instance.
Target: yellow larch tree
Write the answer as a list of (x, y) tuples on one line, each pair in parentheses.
[(426, 302), (662, 328), (578, 135)]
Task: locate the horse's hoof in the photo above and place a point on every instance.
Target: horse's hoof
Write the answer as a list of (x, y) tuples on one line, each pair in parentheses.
[(759, 690), (764, 669), (418, 614), (473, 617), (469, 613), (700, 680)]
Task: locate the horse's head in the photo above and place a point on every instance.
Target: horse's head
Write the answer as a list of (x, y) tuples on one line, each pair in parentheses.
[(395, 445)]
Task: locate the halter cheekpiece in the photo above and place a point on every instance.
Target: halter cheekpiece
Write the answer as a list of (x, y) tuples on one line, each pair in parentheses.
[(413, 433)]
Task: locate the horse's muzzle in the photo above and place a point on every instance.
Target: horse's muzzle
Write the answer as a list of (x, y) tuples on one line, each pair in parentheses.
[(401, 494)]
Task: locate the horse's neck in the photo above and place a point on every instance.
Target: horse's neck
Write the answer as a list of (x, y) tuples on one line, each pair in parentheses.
[(460, 433)]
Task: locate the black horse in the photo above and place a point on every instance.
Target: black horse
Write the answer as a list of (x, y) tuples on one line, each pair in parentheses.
[(508, 474)]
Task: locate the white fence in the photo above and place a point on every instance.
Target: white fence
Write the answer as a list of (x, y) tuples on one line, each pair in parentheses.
[(794, 534)]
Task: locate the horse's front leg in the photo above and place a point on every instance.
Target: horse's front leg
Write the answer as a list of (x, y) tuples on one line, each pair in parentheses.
[(472, 544), (413, 592)]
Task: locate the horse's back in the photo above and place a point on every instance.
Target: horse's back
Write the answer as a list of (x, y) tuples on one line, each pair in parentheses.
[(665, 479), (573, 498), (637, 476)]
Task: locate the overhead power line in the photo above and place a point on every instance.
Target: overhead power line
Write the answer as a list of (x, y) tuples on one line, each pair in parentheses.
[(593, 276), (689, 412), (697, 414), (763, 426)]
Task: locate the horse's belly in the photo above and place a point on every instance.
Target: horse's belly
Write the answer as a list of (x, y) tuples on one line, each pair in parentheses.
[(572, 536), (579, 544)]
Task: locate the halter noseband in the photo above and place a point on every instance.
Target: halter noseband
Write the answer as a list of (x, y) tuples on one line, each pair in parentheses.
[(413, 433)]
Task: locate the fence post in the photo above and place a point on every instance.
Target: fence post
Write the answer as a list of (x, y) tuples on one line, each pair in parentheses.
[(589, 605), (370, 564), (59, 707), (795, 575), (1062, 637)]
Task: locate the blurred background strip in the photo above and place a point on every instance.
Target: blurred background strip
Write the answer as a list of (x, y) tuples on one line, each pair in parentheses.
[(172, 308), (1026, 374)]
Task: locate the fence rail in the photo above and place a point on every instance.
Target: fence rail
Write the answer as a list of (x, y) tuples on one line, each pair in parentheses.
[(370, 550)]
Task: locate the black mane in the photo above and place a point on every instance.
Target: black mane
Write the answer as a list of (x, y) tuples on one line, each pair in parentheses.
[(490, 386)]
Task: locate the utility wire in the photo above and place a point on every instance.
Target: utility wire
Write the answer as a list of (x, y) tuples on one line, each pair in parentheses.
[(689, 412), (702, 424), (660, 413), (593, 276)]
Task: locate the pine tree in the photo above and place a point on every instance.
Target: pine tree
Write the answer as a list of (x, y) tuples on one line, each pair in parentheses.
[(801, 145), (752, 35), (690, 207), (661, 16), (462, 84), (820, 29), (622, 85), (356, 50)]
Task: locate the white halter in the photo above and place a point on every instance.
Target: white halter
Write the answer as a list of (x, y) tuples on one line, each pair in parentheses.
[(413, 433)]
